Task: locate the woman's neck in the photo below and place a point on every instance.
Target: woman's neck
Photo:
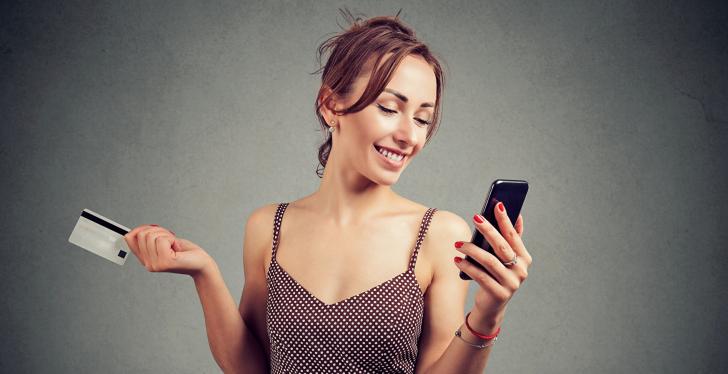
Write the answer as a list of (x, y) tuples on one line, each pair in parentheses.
[(347, 198)]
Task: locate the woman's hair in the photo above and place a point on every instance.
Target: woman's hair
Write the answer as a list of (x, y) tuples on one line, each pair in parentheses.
[(355, 52)]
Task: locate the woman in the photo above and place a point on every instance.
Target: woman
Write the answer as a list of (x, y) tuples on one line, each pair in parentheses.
[(357, 278)]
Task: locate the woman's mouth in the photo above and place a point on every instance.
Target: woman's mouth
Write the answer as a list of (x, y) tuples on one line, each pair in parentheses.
[(392, 160)]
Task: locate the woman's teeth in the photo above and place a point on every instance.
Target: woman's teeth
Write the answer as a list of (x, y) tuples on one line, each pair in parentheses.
[(390, 155)]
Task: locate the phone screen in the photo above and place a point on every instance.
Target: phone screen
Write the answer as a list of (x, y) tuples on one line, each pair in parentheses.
[(512, 193)]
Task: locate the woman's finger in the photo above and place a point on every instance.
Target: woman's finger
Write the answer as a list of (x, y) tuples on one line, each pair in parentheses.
[(142, 244), (163, 243), (151, 239), (519, 225), (499, 244), (131, 242), (491, 263), (142, 241), (508, 231), (484, 280), (145, 241)]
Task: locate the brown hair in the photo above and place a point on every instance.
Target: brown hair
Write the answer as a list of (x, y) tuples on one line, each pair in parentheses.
[(350, 56)]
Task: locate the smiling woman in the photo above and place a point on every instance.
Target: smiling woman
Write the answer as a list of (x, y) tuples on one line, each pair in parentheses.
[(380, 46), (355, 277)]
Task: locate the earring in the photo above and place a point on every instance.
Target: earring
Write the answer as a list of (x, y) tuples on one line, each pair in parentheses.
[(332, 128)]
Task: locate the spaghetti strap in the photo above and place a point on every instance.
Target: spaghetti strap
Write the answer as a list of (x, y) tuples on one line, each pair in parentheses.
[(421, 236), (277, 228)]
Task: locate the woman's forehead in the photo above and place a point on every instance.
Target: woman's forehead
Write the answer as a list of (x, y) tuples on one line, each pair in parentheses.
[(414, 78)]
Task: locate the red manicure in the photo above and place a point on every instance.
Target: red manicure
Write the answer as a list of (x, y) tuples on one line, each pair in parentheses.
[(458, 244), (501, 207), (457, 259), (153, 225), (478, 218)]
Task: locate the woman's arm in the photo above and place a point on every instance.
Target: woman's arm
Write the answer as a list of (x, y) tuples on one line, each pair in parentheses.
[(234, 332), (440, 350), (232, 343)]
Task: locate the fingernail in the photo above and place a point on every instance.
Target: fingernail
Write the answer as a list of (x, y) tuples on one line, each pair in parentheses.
[(153, 225), (458, 244), (478, 218), (457, 259), (501, 207)]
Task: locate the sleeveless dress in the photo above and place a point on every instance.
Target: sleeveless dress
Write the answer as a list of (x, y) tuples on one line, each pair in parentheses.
[(375, 331)]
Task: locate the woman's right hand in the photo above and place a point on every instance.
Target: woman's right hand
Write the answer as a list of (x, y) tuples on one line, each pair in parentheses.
[(160, 250)]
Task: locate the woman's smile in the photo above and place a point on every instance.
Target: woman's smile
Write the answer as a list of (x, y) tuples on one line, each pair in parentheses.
[(391, 161)]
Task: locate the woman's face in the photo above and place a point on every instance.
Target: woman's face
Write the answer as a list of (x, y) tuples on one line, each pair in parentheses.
[(398, 121)]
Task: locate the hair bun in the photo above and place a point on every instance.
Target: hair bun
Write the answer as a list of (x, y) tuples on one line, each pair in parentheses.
[(390, 22)]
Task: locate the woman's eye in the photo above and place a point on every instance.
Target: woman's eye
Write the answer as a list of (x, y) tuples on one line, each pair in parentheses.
[(386, 110), (423, 122), (390, 111)]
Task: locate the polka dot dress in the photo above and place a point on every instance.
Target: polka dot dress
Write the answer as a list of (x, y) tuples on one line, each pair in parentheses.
[(375, 331)]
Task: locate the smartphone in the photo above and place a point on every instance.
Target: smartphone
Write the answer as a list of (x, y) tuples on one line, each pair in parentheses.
[(512, 193)]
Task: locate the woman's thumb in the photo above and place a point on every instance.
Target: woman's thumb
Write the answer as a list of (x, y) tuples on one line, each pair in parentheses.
[(176, 246), (182, 245)]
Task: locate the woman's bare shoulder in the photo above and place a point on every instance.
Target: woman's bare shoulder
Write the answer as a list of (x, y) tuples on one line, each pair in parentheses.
[(258, 235), (261, 217), (444, 224), (445, 228)]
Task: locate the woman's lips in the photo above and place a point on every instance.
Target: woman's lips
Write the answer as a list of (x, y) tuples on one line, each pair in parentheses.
[(391, 164)]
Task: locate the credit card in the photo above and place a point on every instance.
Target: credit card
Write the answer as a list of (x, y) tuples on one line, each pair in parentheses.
[(101, 236)]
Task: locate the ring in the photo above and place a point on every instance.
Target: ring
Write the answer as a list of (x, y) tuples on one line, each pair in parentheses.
[(513, 261)]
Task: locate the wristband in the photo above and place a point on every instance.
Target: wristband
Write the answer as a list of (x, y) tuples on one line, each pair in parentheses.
[(482, 336)]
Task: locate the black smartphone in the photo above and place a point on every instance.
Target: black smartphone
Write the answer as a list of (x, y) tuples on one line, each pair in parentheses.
[(512, 193)]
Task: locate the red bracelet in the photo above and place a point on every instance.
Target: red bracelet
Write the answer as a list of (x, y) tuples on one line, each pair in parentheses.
[(482, 336)]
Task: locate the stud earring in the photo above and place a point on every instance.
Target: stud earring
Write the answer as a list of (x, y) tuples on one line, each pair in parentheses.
[(332, 127)]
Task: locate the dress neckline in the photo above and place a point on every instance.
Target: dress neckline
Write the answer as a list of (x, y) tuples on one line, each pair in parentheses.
[(359, 295)]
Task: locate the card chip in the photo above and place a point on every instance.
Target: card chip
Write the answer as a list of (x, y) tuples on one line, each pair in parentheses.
[(122, 254)]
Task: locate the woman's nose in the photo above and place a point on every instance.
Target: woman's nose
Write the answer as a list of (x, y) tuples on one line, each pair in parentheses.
[(407, 132)]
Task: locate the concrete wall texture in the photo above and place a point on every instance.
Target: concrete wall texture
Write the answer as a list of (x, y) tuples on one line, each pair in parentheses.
[(192, 114)]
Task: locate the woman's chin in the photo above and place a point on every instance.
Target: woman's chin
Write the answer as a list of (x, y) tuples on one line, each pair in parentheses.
[(387, 177)]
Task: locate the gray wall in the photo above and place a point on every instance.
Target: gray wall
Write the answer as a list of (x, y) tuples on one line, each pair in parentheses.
[(190, 115)]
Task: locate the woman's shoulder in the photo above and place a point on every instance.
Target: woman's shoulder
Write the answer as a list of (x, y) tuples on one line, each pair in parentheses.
[(263, 214), (444, 226), (442, 219), (259, 225)]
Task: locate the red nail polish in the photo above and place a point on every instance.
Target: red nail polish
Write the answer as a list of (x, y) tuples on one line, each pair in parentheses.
[(153, 225), (457, 259), (458, 244), (478, 218), (501, 207)]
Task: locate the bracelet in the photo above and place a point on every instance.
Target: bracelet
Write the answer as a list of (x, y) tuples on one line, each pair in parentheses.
[(479, 346), (482, 336)]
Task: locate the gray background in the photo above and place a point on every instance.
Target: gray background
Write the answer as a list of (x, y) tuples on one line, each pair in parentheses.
[(192, 114)]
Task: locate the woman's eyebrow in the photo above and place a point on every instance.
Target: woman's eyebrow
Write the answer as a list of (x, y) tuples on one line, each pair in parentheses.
[(404, 98)]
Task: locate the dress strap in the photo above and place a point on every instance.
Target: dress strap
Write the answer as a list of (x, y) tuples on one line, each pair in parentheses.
[(277, 227), (421, 236)]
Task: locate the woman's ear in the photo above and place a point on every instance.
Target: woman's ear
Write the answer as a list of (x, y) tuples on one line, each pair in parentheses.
[(330, 103)]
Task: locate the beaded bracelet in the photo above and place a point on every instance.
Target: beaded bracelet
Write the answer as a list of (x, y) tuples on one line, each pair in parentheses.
[(479, 346)]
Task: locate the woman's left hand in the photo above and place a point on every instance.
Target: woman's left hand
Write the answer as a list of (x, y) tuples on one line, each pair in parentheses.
[(497, 289)]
